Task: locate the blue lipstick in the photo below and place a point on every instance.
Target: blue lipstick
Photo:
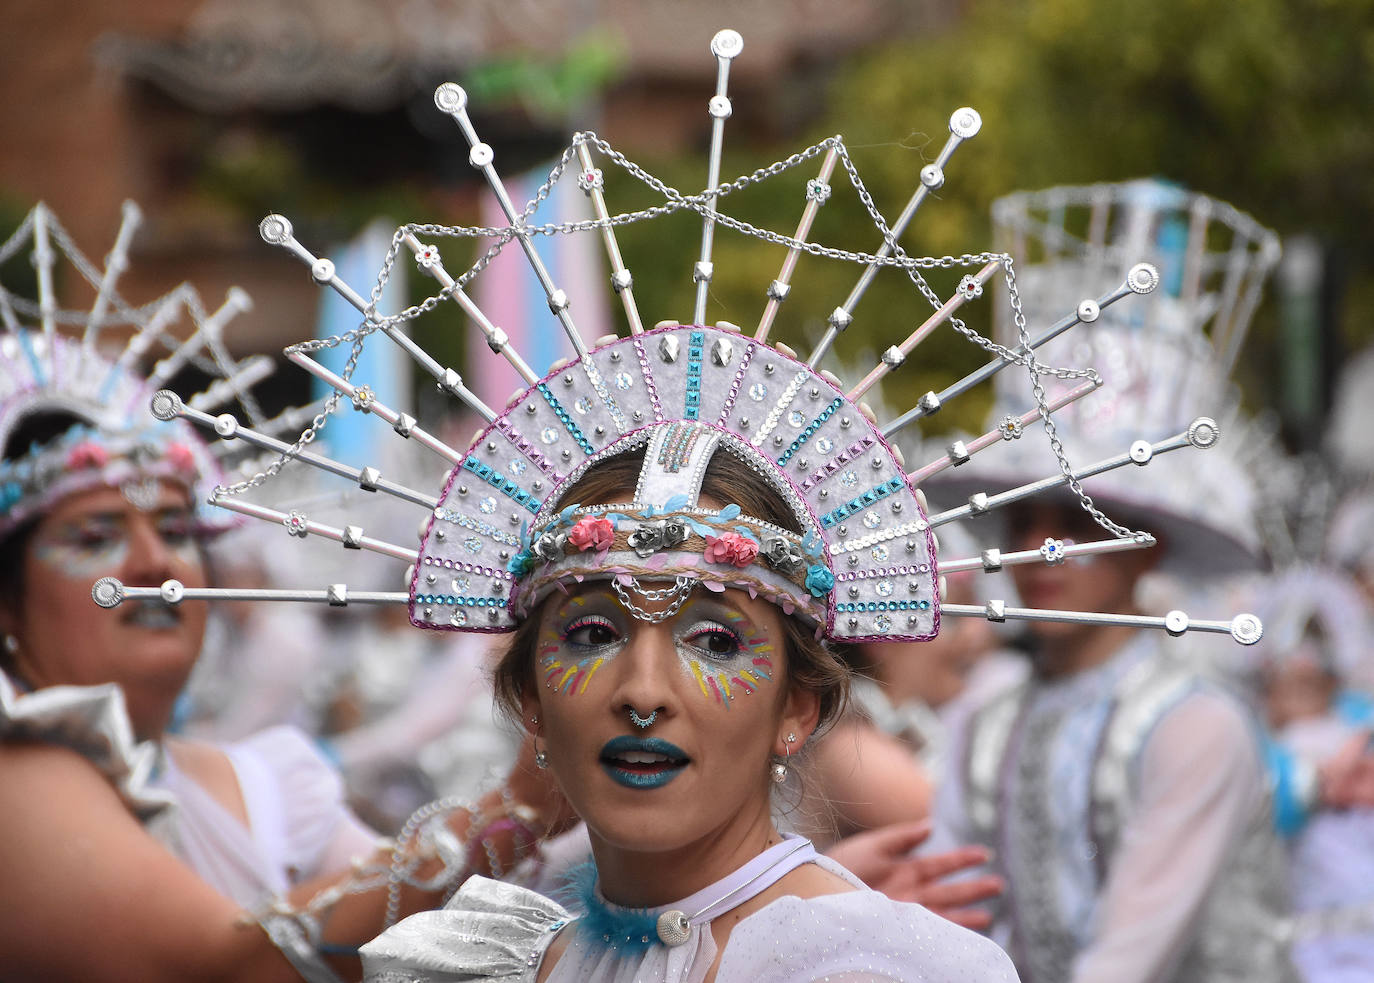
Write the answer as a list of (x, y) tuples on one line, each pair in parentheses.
[(642, 762)]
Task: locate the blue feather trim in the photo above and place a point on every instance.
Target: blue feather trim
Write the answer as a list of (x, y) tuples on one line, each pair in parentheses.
[(629, 930)]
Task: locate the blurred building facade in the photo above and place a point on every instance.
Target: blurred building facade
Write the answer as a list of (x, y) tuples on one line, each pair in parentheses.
[(211, 113)]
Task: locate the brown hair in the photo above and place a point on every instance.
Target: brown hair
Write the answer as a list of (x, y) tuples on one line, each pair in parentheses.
[(812, 665), (35, 431)]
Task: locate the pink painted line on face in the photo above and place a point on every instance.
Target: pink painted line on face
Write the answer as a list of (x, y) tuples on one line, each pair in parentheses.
[(715, 690)]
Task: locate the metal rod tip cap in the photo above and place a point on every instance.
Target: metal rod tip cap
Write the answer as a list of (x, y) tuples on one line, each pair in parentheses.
[(727, 44), (165, 404), (450, 97), (275, 229), (107, 592)]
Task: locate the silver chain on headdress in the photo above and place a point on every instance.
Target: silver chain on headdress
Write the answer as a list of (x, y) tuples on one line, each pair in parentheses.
[(700, 203)]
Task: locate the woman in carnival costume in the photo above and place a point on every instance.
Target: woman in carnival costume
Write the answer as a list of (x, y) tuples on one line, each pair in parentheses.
[(681, 528), (129, 853)]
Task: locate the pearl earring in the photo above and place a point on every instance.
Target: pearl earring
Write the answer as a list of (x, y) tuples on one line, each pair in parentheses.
[(779, 768)]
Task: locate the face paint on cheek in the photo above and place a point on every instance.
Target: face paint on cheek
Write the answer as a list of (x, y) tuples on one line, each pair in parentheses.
[(77, 559), (186, 550), (564, 671), (745, 671)]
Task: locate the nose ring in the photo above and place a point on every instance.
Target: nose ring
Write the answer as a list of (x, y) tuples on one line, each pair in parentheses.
[(642, 722)]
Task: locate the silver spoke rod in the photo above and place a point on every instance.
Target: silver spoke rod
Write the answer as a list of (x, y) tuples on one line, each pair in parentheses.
[(110, 593)]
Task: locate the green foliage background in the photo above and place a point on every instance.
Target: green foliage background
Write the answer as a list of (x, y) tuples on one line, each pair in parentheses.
[(1267, 104)]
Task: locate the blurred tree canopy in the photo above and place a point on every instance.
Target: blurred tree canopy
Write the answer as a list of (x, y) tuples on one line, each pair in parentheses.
[(1266, 104)]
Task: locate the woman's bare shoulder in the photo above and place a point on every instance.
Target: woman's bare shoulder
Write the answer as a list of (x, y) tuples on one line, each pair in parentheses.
[(30, 769)]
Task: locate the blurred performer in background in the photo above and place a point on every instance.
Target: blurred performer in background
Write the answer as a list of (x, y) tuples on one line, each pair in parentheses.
[(883, 760), (1124, 791), (260, 662), (1315, 637), (129, 853)]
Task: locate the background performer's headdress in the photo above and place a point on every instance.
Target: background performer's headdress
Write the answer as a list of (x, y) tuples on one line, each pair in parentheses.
[(1163, 360), (856, 553), (58, 363)]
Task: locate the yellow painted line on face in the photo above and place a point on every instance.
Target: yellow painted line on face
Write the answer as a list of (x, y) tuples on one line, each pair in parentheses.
[(586, 680), (696, 671)]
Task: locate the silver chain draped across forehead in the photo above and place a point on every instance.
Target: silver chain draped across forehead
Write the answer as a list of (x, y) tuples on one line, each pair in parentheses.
[(676, 596)]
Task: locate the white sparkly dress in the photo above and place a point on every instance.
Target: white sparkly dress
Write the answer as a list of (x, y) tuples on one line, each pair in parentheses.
[(500, 932)]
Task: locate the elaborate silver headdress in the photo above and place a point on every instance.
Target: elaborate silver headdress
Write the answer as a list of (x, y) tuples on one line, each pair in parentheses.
[(856, 555)]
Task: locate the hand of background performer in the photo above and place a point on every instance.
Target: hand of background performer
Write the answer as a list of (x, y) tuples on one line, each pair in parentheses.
[(882, 859)]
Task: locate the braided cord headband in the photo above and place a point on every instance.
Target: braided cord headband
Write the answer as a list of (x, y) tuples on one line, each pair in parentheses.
[(87, 457), (717, 548)]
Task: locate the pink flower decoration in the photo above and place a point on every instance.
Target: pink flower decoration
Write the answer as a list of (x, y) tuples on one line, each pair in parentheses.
[(592, 533), (731, 548), (180, 457), (87, 454)]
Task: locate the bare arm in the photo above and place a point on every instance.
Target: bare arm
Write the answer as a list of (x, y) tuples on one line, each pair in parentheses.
[(495, 834), (871, 779), (91, 896)]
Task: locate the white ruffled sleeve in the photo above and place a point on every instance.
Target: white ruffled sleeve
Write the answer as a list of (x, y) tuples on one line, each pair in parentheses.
[(295, 803), (1200, 781), (488, 931)]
